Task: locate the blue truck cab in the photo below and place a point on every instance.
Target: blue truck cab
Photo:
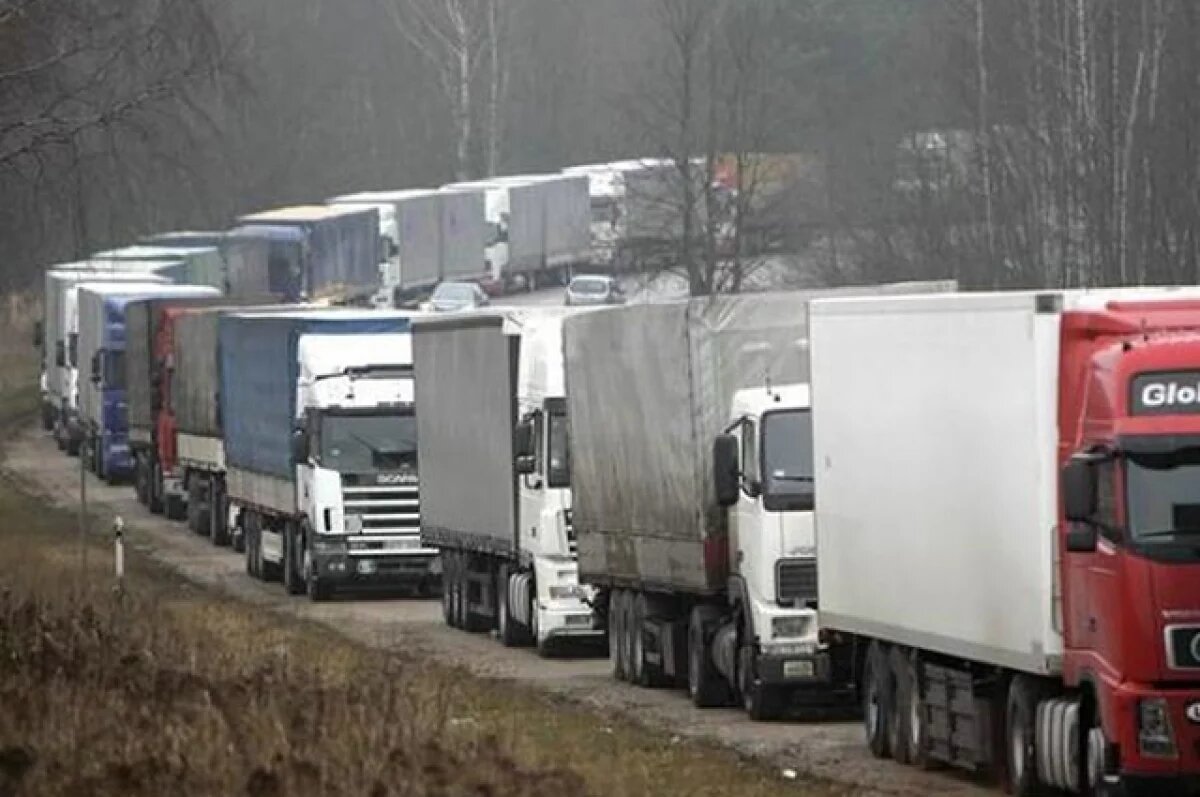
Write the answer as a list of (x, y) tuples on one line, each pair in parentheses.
[(102, 385)]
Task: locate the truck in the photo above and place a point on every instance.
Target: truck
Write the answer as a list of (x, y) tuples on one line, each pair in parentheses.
[(150, 325), (549, 226), (497, 278), (202, 265), (244, 258), (432, 235), (317, 252), (102, 345), (702, 585), (611, 206), (60, 334), (491, 424), (320, 449), (1006, 529)]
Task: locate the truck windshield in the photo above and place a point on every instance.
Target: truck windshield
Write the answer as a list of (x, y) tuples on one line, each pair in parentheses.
[(558, 469), (368, 443), (787, 460), (1164, 495)]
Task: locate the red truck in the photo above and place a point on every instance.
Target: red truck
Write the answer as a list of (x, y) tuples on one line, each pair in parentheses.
[(1008, 530)]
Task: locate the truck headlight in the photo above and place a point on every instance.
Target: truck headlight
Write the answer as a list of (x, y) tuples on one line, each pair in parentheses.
[(329, 546), (789, 627), (562, 592), (1155, 737)]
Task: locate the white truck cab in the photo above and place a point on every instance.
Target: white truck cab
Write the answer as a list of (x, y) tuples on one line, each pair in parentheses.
[(358, 483), (772, 545), (562, 606)]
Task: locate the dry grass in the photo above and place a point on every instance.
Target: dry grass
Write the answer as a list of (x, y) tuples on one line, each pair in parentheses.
[(169, 689)]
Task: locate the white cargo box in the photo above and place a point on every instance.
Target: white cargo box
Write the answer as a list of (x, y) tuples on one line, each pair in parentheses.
[(934, 424)]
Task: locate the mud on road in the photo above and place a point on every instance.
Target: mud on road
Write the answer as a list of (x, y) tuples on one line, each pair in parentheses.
[(828, 748)]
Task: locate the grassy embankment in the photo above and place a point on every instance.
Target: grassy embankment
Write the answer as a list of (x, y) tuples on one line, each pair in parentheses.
[(170, 689)]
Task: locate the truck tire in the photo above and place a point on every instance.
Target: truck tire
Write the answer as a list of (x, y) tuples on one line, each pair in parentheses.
[(141, 479), (193, 507), (877, 699), (472, 622), (762, 703), (174, 507), (635, 629), (250, 536), (447, 588), (616, 632), (156, 488), (507, 629), (910, 698), (705, 686), (899, 719), (293, 583), (218, 513), (1020, 737)]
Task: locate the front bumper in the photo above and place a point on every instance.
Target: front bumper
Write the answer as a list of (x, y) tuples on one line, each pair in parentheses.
[(574, 621), (1167, 774), (343, 569), (782, 668)]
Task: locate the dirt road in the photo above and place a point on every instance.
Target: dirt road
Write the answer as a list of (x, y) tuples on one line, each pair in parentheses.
[(832, 750)]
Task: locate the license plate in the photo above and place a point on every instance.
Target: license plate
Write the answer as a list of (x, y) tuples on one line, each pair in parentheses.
[(797, 669)]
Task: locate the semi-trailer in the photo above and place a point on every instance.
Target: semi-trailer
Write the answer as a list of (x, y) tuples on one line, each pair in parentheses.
[(1007, 525), (150, 365), (60, 333), (102, 349), (318, 252), (692, 510), (243, 258), (202, 265), (320, 449), (491, 422)]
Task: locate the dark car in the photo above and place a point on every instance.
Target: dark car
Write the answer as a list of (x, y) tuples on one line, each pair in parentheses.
[(592, 290), (450, 297)]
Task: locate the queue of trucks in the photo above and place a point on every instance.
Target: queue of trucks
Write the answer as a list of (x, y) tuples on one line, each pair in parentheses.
[(972, 514)]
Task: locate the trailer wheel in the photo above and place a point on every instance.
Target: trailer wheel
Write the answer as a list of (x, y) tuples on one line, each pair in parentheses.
[(156, 488), (705, 685), (877, 699), (447, 588), (1020, 737), (899, 719), (915, 719), (250, 535), (761, 702), (141, 479), (218, 530), (616, 632), (635, 628)]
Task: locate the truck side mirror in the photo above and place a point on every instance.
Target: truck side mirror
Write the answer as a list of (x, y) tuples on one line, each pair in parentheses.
[(299, 447), (526, 464), (726, 469), (1082, 538), (1079, 489), (39, 334)]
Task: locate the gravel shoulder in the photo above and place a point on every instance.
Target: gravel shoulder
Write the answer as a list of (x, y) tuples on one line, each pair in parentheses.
[(828, 748)]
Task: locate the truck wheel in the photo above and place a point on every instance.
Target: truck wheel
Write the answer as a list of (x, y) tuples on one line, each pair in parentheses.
[(250, 537), (877, 699), (910, 700), (141, 480), (761, 702), (508, 630), (899, 720), (705, 686), (193, 507), (218, 514), (156, 488), (293, 584), (1020, 737), (174, 507), (616, 632), (447, 588), (635, 629)]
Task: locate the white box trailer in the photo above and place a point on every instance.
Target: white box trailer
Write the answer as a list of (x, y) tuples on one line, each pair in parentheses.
[(936, 474)]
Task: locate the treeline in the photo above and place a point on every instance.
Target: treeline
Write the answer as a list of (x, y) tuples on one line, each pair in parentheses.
[(1001, 142)]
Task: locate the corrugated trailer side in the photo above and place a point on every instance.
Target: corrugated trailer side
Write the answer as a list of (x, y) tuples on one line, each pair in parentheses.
[(935, 427), (466, 367), (463, 234)]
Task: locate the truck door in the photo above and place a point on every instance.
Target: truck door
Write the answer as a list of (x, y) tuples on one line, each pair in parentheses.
[(1095, 591), (747, 539)]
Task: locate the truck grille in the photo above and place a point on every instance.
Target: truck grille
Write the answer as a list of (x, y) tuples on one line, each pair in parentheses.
[(384, 509), (796, 580)]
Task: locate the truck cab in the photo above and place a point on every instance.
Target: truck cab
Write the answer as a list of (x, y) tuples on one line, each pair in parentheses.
[(764, 474), (355, 448), (562, 607), (1129, 417)]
